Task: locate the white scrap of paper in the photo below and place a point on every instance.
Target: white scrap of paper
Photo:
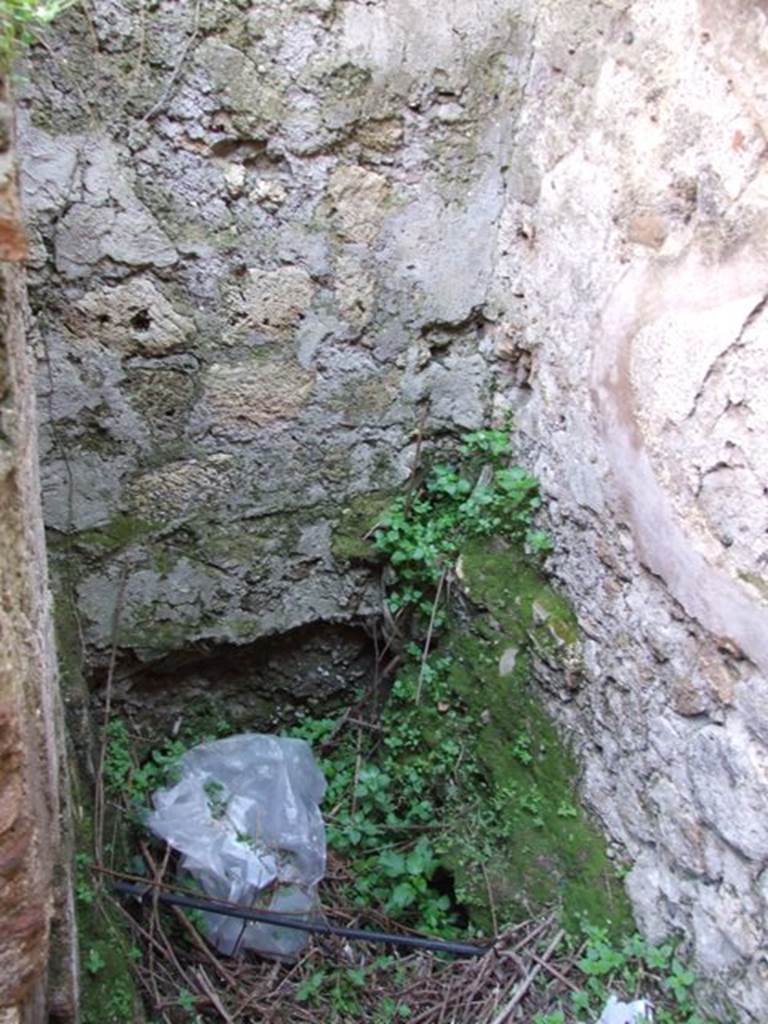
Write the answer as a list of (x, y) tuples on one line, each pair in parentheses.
[(638, 1012)]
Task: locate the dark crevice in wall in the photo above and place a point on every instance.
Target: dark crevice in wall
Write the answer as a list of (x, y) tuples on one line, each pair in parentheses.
[(255, 686)]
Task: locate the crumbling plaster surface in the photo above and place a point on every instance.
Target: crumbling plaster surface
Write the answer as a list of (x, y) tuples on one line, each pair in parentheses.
[(268, 235), (637, 267)]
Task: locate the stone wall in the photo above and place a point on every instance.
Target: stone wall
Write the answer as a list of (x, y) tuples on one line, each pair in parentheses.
[(31, 903), (259, 260), (269, 238), (637, 272)]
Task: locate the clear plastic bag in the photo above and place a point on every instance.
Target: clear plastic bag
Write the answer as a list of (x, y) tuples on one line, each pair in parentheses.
[(245, 816)]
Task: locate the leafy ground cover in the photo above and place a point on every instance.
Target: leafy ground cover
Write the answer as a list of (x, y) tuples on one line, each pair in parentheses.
[(450, 807)]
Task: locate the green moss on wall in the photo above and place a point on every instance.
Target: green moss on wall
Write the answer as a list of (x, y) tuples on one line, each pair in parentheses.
[(118, 533), (500, 578), (350, 536), (526, 844)]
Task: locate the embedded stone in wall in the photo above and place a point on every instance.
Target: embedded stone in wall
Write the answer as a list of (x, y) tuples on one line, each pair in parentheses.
[(79, 492), (355, 288), (455, 387), (275, 300), (108, 221), (381, 135), (729, 778), (358, 197), (180, 489), (255, 393), (135, 318)]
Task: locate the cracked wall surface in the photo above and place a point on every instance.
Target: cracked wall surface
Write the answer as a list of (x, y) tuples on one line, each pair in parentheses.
[(269, 237), (259, 258)]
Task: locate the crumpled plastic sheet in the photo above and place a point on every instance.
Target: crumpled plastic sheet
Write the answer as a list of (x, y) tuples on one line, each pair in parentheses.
[(245, 816), (638, 1012)]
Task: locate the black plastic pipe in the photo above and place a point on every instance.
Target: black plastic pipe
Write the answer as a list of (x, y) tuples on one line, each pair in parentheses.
[(142, 892)]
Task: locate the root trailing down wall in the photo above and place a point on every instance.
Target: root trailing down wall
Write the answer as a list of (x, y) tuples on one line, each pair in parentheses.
[(268, 238)]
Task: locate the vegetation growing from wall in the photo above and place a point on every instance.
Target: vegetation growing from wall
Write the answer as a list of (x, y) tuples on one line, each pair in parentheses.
[(450, 807), (462, 774), (21, 21), (423, 531)]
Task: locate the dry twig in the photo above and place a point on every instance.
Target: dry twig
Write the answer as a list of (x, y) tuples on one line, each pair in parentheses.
[(528, 980)]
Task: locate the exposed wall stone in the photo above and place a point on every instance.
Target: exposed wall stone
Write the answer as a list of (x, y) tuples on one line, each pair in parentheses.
[(256, 260), (29, 786), (290, 227)]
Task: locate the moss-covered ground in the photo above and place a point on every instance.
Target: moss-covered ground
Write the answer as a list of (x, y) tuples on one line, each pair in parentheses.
[(470, 773), (541, 850)]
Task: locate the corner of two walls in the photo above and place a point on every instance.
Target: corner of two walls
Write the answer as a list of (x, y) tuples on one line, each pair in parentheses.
[(253, 267), (37, 953)]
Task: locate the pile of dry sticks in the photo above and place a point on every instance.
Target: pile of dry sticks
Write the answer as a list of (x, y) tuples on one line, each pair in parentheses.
[(183, 979)]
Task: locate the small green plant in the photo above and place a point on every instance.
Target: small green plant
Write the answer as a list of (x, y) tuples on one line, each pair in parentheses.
[(188, 1004), (422, 534), (85, 891), (94, 961), (196, 919), (124, 776), (186, 1000), (339, 992), (521, 748), (120, 1005), (565, 809), (22, 20), (492, 444), (391, 1011), (632, 969), (538, 542), (309, 987)]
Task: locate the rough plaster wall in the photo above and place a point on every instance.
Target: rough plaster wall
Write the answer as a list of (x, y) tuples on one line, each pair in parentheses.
[(264, 241), (638, 268), (267, 233), (30, 901)]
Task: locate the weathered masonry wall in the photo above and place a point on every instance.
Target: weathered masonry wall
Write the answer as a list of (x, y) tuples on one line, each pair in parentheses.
[(270, 238), (32, 903), (260, 259), (637, 270)]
